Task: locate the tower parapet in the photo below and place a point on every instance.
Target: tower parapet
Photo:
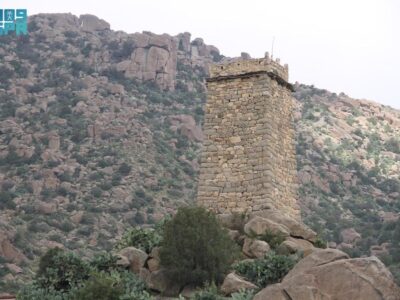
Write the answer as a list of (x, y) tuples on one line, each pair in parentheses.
[(248, 66)]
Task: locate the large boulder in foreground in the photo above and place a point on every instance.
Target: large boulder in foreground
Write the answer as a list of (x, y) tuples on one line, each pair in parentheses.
[(132, 257), (234, 283), (297, 229), (330, 274)]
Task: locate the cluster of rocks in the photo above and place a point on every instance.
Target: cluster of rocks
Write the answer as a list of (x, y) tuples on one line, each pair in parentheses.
[(331, 274), (320, 273)]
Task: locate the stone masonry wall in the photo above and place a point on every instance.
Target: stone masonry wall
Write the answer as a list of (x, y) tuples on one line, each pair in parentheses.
[(248, 161)]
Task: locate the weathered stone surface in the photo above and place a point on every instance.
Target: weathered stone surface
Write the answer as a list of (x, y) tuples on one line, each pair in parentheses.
[(136, 258), (260, 226), (234, 234), (350, 236), (14, 268), (255, 248), (232, 221), (329, 274), (153, 264), (189, 291), (248, 159), (234, 283), (154, 58), (46, 208), (292, 245), (144, 274), (155, 253), (123, 261), (296, 228), (160, 281), (8, 251), (274, 292), (92, 23), (187, 126)]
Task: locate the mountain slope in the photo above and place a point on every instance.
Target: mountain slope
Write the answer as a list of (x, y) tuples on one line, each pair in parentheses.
[(101, 130)]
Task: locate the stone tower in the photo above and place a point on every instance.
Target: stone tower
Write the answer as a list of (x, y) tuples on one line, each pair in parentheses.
[(248, 161)]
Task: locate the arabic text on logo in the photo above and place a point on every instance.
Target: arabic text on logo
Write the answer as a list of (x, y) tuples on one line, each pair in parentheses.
[(13, 20)]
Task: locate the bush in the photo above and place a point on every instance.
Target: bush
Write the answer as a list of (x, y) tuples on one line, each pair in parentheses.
[(33, 292), (268, 270), (134, 288), (320, 243), (243, 295), (96, 192), (122, 285), (141, 238), (209, 293), (274, 240), (393, 145), (195, 248), (60, 271), (124, 169), (6, 200), (105, 262), (100, 286)]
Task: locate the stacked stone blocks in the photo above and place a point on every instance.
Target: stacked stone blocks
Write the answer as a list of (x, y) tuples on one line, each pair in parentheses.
[(248, 160)]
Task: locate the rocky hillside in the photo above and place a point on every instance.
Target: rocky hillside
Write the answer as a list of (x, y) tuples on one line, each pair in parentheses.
[(348, 154), (101, 130)]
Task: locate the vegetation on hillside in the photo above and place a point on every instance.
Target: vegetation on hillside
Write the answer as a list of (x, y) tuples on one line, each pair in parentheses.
[(120, 159)]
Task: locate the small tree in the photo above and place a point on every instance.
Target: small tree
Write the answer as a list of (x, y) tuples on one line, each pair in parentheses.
[(195, 248), (61, 271)]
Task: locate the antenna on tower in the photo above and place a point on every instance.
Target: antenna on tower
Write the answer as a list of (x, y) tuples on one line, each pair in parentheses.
[(272, 48)]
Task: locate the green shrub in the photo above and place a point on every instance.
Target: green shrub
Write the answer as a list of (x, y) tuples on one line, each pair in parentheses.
[(61, 271), (6, 200), (274, 240), (268, 270), (116, 180), (209, 293), (141, 238), (243, 295), (124, 169), (393, 145), (320, 243), (96, 192), (104, 262), (35, 292), (100, 286), (122, 285), (134, 287), (195, 248)]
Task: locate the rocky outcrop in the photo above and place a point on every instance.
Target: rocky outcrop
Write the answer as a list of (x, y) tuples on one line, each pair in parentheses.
[(132, 257), (234, 283), (161, 282), (8, 251), (186, 124), (330, 274), (296, 228), (350, 236), (153, 59), (260, 226), (255, 248), (92, 23), (148, 57), (292, 245)]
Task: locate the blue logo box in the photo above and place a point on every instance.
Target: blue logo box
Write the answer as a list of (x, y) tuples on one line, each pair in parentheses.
[(14, 20)]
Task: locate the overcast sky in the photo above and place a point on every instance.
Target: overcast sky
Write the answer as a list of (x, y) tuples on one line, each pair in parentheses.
[(350, 46)]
